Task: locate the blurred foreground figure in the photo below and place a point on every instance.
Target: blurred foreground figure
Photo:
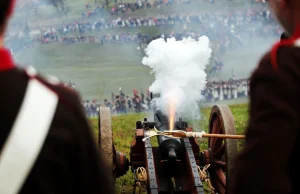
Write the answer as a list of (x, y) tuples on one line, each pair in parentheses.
[(46, 144), (269, 162)]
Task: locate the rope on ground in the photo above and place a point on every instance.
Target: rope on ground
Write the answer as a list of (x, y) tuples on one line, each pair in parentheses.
[(141, 175), (204, 177)]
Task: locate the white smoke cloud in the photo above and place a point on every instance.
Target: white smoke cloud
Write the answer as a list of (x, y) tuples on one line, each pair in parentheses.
[(179, 70)]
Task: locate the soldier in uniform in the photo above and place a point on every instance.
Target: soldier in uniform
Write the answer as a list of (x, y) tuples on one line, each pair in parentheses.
[(229, 93), (245, 88), (234, 89), (216, 91), (221, 96), (240, 89), (229, 90), (225, 90), (269, 161), (46, 142)]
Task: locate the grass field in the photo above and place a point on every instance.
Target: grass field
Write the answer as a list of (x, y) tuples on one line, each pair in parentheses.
[(123, 133), (99, 70)]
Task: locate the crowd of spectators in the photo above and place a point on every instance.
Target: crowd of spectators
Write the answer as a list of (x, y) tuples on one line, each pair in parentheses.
[(142, 40), (122, 7), (223, 29), (127, 7), (209, 22)]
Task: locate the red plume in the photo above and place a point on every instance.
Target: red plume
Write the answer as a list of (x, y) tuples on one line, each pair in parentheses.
[(135, 92)]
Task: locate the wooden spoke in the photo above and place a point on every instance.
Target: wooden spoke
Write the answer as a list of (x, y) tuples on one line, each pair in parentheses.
[(223, 150)]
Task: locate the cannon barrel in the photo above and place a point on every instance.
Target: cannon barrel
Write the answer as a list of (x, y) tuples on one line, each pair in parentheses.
[(168, 146)]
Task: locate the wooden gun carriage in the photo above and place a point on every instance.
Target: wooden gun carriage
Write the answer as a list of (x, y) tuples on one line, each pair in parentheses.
[(175, 165)]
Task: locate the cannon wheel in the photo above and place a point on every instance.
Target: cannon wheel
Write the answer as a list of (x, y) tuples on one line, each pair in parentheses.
[(105, 138), (222, 151)]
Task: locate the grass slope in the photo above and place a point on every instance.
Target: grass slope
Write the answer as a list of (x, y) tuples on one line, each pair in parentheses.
[(97, 70), (123, 133)]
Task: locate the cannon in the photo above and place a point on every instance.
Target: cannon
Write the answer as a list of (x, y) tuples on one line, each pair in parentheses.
[(173, 162)]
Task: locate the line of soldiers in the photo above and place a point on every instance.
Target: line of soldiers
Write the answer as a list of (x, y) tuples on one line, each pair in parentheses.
[(122, 104), (222, 90), (91, 107)]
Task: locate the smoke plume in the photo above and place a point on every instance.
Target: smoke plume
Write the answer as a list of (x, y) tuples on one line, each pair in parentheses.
[(179, 70)]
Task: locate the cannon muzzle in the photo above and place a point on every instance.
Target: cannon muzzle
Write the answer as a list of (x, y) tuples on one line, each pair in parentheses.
[(169, 146)]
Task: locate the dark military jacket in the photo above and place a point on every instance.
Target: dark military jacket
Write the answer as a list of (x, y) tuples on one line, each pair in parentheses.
[(269, 161), (69, 161)]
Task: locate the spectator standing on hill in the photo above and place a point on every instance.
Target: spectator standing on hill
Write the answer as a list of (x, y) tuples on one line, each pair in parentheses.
[(269, 161), (46, 142)]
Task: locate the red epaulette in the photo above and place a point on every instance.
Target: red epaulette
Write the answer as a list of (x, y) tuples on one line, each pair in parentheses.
[(275, 48), (289, 42)]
